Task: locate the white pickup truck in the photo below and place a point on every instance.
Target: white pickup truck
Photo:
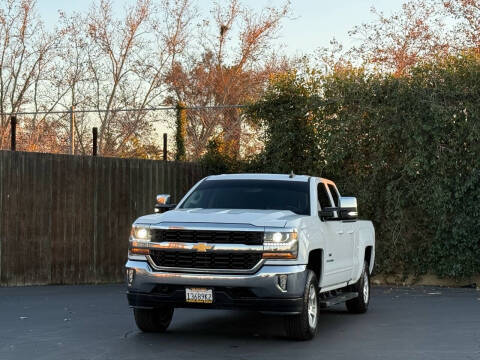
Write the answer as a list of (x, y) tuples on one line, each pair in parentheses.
[(287, 244)]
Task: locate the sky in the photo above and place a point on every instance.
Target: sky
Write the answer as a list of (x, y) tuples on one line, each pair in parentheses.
[(312, 23)]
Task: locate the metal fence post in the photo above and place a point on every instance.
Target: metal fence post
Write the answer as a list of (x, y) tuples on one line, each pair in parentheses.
[(181, 131), (95, 137), (13, 132), (164, 146), (72, 130)]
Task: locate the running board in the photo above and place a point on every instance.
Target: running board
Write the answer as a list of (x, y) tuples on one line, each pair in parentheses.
[(337, 299)]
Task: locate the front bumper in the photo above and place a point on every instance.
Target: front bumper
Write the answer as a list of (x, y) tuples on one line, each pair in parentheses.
[(259, 291)]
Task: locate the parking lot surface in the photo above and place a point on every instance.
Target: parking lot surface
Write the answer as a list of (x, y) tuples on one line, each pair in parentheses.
[(94, 322)]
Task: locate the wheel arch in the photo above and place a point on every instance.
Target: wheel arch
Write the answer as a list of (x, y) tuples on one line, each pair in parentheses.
[(366, 245), (369, 257), (315, 263)]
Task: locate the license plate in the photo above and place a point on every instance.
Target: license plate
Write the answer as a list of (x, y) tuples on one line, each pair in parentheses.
[(199, 295)]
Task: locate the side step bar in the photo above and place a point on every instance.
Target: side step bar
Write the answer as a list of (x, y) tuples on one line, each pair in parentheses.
[(337, 299)]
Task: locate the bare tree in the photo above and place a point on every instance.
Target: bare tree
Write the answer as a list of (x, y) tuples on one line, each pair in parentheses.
[(397, 42), (69, 80), (466, 14), (331, 58), (127, 62), (26, 49), (112, 61), (102, 61), (233, 66)]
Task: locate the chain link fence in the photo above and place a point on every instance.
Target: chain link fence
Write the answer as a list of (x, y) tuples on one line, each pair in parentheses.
[(132, 133)]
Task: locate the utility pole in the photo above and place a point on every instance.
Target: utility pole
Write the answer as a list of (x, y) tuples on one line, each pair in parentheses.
[(72, 130), (13, 132), (181, 131), (95, 137), (165, 147)]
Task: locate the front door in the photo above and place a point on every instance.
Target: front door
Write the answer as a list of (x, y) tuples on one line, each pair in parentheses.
[(339, 249)]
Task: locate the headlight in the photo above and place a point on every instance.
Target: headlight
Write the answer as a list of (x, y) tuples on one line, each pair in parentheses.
[(138, 238), (280, 245), (140, 233)]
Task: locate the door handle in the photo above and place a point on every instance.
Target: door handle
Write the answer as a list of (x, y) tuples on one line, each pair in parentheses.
[(340, 232), (350, 232)]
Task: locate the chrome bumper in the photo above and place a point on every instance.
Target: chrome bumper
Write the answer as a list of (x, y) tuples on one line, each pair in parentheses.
[(264, 283)]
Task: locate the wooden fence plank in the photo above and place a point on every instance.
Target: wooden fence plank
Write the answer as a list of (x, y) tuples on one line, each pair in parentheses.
[(88, 221), (95, 162), (5, 176), (69, 220), (31, 183), (47, 226), (123, 218), (17, 260), (79, 236), (101, 190), (2, 211), (56, 225)]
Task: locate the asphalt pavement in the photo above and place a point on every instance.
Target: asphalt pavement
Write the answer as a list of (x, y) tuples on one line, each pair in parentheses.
[(94, 322)]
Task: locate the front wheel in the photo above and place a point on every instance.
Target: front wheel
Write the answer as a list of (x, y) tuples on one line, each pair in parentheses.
[(153, 320), (359, 305), (304, 325)]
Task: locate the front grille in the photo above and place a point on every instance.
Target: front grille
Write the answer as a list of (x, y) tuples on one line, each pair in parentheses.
[(208, 236), (212, 260)]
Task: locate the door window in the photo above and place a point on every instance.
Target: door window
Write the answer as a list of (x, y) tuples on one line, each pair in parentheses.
[(323, 198), (334, 193)]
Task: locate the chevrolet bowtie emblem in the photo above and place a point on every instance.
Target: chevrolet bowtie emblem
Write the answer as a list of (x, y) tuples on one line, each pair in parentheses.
[(202, 247)]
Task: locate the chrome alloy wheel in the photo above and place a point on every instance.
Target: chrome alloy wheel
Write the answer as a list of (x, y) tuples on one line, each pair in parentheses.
[(312, 308), (366, 288)]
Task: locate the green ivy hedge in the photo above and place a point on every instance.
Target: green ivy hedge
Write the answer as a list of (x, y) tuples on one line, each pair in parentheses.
[(407, 147)]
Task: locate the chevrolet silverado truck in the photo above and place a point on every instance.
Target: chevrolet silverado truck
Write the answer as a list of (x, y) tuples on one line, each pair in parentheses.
[(285, 244)]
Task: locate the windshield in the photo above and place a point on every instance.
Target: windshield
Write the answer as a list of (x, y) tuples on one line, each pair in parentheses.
[(251, 194)]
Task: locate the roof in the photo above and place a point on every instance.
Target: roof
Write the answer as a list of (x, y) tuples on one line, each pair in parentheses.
[(285, 177)]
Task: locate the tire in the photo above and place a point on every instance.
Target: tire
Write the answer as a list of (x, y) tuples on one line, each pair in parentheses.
[(304, 325), (359, 305), (153, 320)]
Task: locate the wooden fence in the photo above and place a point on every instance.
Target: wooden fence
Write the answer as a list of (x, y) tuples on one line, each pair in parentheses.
[(66, 219)]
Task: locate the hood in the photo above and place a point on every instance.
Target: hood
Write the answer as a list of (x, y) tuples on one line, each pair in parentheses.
[(273, 218)]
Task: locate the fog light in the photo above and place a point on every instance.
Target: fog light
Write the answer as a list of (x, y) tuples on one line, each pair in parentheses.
[(282, 282), (130, 276)]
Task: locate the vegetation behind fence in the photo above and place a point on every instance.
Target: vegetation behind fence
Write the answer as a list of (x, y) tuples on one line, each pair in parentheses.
[(407, 146), (66, 219)]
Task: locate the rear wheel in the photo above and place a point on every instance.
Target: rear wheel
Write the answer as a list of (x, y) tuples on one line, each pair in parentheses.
[(359, 304), (304, 325), (153, 320)]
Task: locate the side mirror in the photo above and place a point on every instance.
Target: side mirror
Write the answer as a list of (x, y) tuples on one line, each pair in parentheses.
[(348, 208), (163, 203), (327, 213)]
